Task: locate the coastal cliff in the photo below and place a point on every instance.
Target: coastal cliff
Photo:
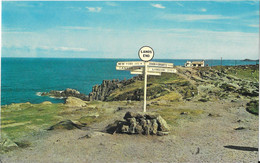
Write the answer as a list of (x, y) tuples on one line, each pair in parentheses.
[(213, 82)]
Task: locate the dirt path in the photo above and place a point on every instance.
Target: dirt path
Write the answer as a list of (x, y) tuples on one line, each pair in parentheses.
[(208, 137)]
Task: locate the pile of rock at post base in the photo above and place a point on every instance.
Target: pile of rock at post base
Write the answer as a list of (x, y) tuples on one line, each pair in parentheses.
[(140, 123)]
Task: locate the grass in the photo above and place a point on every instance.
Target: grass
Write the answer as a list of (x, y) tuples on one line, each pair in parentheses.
[(172, 96), (129, 88), (171, 115), (168, 86), (19, 120), (250, 72)]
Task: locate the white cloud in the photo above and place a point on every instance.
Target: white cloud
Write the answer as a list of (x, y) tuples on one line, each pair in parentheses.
[(203, 10), (111, 4), (171, 43), (74, 8), (254, 25), (63, 48), (48, 48), (76, 28), (204, 44), (158, 6), (94, 9), (193, 17), (70, 49), (179, 4)]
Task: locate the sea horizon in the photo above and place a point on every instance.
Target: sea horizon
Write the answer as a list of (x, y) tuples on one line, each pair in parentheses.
[(134, 58)]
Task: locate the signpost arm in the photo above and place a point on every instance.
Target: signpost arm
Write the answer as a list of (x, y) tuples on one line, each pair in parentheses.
[(145, 84)]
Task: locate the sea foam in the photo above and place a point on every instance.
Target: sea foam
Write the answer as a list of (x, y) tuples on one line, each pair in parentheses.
[(39, 93)]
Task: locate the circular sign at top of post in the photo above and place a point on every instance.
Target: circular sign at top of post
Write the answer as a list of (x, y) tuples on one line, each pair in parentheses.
[(146, 53)]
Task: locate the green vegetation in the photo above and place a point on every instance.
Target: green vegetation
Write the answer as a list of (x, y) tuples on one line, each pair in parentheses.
[(249, 72), (253, 107), (158, 87), (19, 120), (171, 115)]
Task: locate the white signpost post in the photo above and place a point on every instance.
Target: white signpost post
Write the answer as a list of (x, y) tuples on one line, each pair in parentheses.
[(146, 54)]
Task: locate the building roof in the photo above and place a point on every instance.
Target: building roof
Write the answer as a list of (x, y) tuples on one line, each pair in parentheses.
[(197, 62)]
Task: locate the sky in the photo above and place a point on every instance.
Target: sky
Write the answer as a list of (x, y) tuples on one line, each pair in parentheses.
[(118, 29)]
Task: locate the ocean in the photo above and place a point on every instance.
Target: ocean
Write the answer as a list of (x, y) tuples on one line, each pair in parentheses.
[(23, 78)]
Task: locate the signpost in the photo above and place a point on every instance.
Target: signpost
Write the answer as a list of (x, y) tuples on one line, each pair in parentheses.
[(145, 67), (140, 63)]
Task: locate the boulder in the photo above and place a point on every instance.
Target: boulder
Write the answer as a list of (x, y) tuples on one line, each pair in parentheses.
[(66, 124), (248, 92), (91, 134), (125, 129), (46, 103), (75, 102), (6, 143), (139, 129), (71, 92), (161, 133), (162, 124), (154, 126), (229, 87), (133, 115)]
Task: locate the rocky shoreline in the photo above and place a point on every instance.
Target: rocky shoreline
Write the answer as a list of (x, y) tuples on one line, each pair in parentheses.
[(217, 82), (99, 92)]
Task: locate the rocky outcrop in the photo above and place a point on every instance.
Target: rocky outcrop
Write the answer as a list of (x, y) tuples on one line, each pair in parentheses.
[(101, 92), (225, 80), (140, 123), (65, 94)]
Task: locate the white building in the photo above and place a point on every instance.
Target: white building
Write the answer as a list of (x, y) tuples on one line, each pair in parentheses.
[(195, 64)]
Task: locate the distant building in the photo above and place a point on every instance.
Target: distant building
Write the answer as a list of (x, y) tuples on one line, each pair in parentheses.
[(195, 64)]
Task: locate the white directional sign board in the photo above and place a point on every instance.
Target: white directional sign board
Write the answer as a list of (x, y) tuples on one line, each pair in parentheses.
[(148, 73), (159, 69), (145, 67), (130, 64), (140, 63), (149, 69), (160, 64)]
